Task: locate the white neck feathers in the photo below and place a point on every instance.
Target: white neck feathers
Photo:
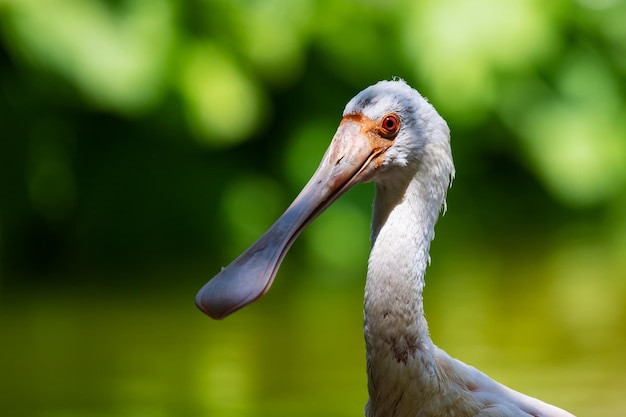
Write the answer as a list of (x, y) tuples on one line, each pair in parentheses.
[(401, 357)]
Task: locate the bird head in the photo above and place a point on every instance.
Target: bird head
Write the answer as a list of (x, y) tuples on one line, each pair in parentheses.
[(385, 134)]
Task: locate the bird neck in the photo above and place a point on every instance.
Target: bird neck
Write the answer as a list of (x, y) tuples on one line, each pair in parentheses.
[(396, 331)]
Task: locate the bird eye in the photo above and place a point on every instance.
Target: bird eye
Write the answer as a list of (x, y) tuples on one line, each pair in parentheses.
[(390, 126)]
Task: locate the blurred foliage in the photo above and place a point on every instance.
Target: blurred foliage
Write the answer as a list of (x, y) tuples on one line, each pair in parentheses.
[(149, 139), (131, 126)]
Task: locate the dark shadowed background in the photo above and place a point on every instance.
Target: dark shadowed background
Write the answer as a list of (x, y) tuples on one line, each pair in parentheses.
[(145, 143)]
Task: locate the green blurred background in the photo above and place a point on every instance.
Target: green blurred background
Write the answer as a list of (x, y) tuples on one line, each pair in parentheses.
[(145, 143)]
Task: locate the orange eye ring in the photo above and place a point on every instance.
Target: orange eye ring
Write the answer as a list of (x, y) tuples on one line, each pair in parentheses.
[(389, 126)]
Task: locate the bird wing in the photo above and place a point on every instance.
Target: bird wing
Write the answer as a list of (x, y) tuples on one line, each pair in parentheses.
[(491, 398)]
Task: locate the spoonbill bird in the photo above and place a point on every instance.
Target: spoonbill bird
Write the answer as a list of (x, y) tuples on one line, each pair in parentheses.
[(391, 135)]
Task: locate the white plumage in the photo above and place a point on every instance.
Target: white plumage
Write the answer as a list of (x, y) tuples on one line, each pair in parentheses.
[(392, 136)]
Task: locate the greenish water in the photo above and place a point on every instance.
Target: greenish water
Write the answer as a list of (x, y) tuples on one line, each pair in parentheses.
[(299, 352)]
